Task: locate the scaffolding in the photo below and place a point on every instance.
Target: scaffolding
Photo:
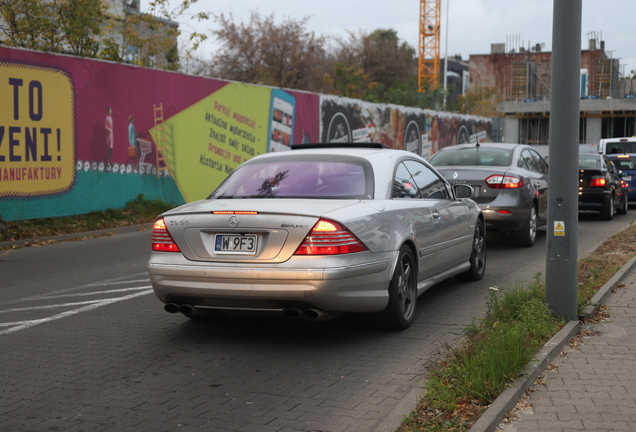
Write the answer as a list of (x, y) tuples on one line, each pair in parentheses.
[(606, 78), (524, 80)]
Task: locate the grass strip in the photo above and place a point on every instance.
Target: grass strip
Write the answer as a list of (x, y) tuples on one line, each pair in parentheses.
[(468, 377), (137, 211)]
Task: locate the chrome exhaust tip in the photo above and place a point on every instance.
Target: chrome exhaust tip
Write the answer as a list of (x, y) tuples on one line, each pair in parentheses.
[(171, 308), (187, 310), (292, 313)]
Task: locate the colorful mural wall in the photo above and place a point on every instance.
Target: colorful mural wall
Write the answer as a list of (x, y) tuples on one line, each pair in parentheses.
[(79, 135)]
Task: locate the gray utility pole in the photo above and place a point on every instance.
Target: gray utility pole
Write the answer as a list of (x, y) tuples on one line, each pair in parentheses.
[(563, 153)]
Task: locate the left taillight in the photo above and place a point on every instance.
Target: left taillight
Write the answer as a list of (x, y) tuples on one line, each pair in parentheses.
[(598, 182), (330, 238), (161, 239), (497, 181)]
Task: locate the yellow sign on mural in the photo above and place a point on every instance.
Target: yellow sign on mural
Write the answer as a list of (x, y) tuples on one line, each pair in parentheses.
[(208, 140), (37, 134)]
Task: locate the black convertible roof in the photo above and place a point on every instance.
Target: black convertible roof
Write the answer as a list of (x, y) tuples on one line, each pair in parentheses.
[(338, 145)]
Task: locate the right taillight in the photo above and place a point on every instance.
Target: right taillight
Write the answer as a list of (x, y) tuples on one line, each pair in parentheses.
[(598, 182), (330, 238), (161, 239)]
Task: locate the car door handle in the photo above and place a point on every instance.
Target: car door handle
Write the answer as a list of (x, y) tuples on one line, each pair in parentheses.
[(436, 215)]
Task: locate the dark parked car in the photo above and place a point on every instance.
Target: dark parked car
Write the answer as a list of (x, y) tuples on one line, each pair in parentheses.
[(626, 164), (316, 232), (601, 187), (510, 183)]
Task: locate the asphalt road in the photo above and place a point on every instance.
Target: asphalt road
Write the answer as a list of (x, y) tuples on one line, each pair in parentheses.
[(86, 346)]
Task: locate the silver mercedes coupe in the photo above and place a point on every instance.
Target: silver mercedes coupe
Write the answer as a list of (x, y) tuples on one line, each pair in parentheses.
[(316, 232)]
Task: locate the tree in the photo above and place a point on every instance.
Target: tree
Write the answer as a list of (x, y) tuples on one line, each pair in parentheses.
[(143, 38), (110, 29), (63, 26), (480, 101), (263, 52), (350, 82), (388, 64), (387, 61)]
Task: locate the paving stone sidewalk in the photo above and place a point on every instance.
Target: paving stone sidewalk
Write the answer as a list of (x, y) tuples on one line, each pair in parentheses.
[(592, 387)]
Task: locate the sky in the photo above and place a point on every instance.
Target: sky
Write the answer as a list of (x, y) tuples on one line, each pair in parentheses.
[(467, 26)]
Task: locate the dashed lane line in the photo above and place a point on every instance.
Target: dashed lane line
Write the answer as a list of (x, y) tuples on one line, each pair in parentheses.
[(47, 297), (23, 325)]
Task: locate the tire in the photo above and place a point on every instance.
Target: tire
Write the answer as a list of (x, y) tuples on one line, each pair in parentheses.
[(607, 211), (624, 205), (528, 234), (477, 256), (400, 311)]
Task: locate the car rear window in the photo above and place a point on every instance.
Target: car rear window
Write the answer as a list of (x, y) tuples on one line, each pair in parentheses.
[(624, 163), (299, 179), (589, 162), (472, 156), (614, 147)]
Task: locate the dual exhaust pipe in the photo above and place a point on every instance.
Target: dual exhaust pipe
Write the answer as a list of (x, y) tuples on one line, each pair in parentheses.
[(185, 309), (309, 314)]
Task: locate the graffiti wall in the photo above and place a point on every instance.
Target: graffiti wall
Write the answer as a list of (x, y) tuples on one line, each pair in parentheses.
[(79, 135), (415, 130)]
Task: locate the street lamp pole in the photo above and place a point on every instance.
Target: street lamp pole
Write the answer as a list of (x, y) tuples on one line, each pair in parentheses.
[(563, 150)]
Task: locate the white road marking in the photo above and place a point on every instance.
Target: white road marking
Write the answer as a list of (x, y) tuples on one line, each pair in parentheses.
[(22, 325), (95, 292), (115, 283)]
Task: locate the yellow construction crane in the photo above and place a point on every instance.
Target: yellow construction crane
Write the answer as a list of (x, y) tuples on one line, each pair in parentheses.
[(428, 54)]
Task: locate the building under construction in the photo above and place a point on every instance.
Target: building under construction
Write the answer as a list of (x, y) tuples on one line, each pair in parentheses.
[(523, 75)]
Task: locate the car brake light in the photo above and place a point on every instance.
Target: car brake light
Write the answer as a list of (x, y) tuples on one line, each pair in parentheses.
[(161, 239), (329, 238), (498, 181), (598, 182)]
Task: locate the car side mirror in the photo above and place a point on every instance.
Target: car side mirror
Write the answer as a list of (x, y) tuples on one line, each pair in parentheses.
[(463, 190)]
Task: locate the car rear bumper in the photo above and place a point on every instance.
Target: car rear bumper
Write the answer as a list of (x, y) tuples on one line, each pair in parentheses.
[(594, 200), (362, 287), (508, 212), (505, 219)]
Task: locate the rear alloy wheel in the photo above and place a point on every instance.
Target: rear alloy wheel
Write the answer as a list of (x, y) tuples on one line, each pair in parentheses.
[(528, 234), (477, 257), (607, 211), (624, 205), (400, 311)]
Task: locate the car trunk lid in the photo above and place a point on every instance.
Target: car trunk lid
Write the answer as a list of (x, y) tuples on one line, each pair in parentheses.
[(475, 177), (247, 230)]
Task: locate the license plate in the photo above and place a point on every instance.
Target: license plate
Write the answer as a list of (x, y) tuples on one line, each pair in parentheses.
[(235, 244), (627, 178)]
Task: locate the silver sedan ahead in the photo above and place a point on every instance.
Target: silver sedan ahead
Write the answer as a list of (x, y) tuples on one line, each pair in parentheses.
[(510, 183)]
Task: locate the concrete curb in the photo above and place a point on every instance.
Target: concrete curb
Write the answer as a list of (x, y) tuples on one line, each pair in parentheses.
[(507, 400), (405, 407), (600, 296), (80, 235)]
